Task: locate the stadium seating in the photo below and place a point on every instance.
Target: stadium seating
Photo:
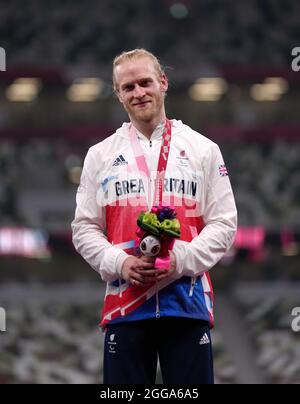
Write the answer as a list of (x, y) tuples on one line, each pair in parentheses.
[(78, 34), (52, 336), (267, 310)]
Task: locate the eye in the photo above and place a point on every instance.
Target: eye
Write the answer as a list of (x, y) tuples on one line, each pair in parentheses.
[(145, 83), (128, 88)]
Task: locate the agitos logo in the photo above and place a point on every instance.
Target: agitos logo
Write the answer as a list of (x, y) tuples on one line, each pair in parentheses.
[(296, 60), (2, 60)]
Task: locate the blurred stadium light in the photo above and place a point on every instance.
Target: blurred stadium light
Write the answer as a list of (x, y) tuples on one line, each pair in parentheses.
[(23, 242), (23, 90), (271, 90), (208, 89), (179, 10), (85, 90)]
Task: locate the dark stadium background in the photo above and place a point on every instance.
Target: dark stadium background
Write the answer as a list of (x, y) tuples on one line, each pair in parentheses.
[(232, 79)]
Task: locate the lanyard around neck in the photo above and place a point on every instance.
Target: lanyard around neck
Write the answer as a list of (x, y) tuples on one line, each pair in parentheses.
[(162, 162)]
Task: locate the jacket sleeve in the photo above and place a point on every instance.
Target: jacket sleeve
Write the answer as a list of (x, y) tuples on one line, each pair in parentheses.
[(88, 226), (220, 219)]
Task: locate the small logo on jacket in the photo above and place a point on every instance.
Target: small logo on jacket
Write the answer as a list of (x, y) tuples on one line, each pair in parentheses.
[(223, 170), (106, 182), (120, 161), (112, 344), (183, 159), (204, 340)]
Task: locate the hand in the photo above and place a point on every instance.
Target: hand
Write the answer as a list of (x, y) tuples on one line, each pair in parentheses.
[(161, 274), (136, 271)]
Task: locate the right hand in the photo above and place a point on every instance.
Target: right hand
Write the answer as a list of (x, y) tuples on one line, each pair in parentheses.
[(134, 271)]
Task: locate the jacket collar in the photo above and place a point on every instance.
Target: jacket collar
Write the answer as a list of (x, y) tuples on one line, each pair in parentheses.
[(177, 126)]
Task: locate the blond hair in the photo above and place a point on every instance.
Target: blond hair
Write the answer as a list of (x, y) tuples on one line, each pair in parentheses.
[(134, 55)]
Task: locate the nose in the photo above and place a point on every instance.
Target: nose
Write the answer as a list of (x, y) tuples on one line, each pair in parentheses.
[(138, 92)]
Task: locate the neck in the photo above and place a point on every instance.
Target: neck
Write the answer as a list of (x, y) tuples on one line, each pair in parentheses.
[(148, 127)]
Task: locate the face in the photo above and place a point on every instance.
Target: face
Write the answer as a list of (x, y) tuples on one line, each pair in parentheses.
[(141, 90)]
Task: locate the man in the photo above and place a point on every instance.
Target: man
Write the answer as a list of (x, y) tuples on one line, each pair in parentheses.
[(150, 312)]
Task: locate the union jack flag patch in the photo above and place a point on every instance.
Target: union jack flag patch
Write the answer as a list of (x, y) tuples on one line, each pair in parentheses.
[(223, 170)]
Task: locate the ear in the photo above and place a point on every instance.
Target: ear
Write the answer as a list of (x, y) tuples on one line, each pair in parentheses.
[(164, 83)]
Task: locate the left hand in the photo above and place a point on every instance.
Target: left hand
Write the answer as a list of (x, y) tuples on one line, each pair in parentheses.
[(159, 274)]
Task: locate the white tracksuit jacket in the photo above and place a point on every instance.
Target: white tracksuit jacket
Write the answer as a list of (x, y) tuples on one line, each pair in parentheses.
[(113, 192)]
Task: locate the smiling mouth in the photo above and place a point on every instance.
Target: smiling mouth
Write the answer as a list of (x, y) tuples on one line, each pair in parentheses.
[(139, 104)]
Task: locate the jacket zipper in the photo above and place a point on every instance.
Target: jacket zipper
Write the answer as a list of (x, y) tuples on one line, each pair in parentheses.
[(156, 293), (193, 284), (120, 290)]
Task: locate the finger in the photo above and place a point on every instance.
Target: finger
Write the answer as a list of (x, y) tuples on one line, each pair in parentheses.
[(139, 279), (150, 260), (145, 271), (135, 282), (161, 277), (140, 284), (145, 265), (164, 275), (151, 272)]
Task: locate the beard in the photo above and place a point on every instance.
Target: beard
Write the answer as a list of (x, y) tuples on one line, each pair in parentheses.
[(146, 114)]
